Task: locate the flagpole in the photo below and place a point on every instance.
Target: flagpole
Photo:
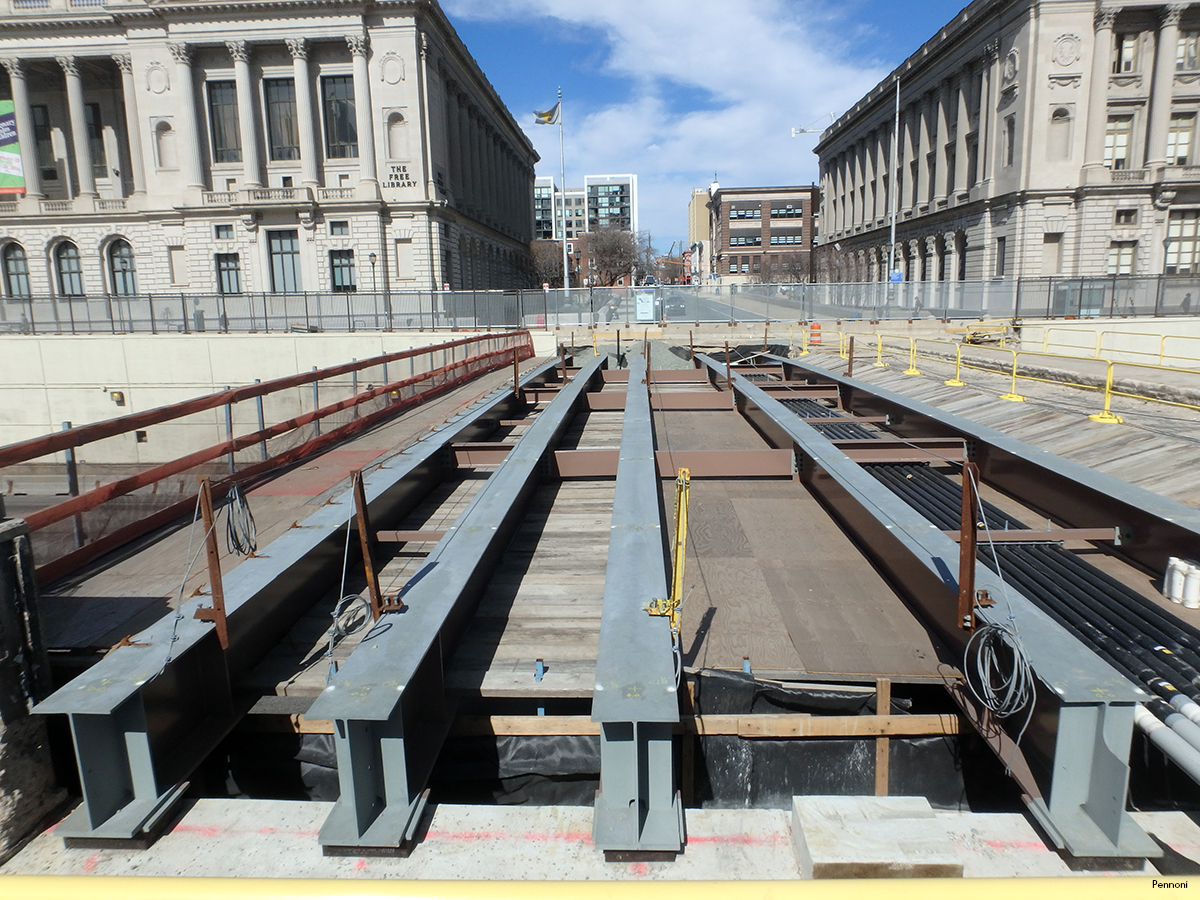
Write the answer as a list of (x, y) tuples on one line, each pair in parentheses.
[(562, 164)]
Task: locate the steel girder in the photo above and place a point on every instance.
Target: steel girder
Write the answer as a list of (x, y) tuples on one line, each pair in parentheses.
[(145, 716), (636, 700), (1153, 527), (1078, 740), (388, 701)]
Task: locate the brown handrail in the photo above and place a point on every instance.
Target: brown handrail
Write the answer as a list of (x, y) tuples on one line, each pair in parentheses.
[(23, 451)]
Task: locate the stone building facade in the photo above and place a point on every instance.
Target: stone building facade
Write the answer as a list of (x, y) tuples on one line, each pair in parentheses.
[(1037, 138), (278, 146)]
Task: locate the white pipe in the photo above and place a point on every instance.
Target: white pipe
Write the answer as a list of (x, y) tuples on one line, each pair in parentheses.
[(1176, 748), (1186, 707)]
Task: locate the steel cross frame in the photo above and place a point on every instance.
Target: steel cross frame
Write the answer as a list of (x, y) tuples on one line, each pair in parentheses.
[(388, 701), (145, 716), (1077, 744), (636, 701)]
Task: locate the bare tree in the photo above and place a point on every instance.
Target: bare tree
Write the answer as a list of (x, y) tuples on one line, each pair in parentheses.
[(614, 253), (783, 268), (547, 263)]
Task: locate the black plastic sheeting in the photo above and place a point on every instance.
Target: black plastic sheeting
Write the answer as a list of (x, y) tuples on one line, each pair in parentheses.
[(953, 772)]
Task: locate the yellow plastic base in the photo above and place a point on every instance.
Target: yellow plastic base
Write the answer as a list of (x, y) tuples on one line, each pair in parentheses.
[(879, 365), (1107, 418), (1015, 398), (912, 371), (954, 382)]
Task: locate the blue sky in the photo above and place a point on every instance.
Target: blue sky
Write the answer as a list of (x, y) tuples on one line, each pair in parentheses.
[(676, 91)]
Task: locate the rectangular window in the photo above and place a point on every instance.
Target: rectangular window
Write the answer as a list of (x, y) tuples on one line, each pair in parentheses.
[(1187, 59), (341, 271), (229, 273), (972, 160), (1183, 242), (177, 265), (1125, 54), (283, 134), (1179, 139), (1120, 257), (1010, 140), (283, 248), (1125, 217), (223, 232), (1116, 142), (341, 130), (1001, 254), (223, 122), (95, 133), (1052, 253), (339, 228)]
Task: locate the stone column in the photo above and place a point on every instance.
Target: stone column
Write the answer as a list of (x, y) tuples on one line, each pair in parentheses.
[(868, 215), (943, 184), (304, 113), (251, 177), (364, 114), (924, 139), (453, 150), (464, 134), (189, 139), (132, 134), (1164, 84), (961, 152), (25, 134), (907, 156), (1097, 120), (86, 181), (987, 143)]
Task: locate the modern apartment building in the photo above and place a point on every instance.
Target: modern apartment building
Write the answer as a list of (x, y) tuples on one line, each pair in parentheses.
[(604, 201), (761, 234), (206, 147), (1036, 138)]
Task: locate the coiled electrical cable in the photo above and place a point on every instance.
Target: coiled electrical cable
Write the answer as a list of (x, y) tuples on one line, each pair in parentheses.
[(241, 533)]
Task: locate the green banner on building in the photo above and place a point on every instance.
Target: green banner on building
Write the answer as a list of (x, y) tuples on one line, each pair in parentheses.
[(12, 176)]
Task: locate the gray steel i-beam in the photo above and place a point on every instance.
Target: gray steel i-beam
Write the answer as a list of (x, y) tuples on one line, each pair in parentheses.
[(388, 701), (1077, 744), (145, 716), (636, 701)]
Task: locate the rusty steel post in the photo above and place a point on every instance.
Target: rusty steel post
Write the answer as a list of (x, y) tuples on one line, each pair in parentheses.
[(691, 345), (216, 612), (367, 542), (517, 372), (728, 373), (850, 359), (562, 363), (966, 548), (73, 489)]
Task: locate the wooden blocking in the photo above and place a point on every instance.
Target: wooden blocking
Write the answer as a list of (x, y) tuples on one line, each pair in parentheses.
[(883, 747)]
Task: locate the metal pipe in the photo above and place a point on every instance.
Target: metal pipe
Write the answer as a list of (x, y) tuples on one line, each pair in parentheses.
[(229, 428), (1169, 742), (73, 488)]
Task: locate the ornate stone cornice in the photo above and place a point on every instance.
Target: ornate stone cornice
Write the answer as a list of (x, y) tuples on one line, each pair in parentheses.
[(358, 44), (181, 53), (124, 62), (991, 51), (298, 47), (238, 50), (13, 67), (69, 66)]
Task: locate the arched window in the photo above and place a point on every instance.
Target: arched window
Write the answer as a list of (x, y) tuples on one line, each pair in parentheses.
[(164, 143), (122, 268), (16, 271), (69, 268), (1058, 144), (397, 131)]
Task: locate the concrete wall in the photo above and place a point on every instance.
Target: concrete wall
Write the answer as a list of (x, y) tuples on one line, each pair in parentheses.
[(1120, 340), (47, 380)]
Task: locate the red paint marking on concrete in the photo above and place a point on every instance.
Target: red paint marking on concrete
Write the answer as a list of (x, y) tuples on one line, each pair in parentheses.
[(202, 830), (639, 870), (747, 840), (1016, 845), (467, 836), (568, 837), (361, 864), (89, 864)]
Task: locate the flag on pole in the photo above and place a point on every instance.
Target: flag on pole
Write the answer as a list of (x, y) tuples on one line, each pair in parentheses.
[(549, 116)]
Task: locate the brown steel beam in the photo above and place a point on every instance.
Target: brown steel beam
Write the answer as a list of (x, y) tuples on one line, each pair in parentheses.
[(621, 376), (966, 547), (893, 451), (407, 537), (662, 400), (1026, 535), (482, 453), (702, 463)]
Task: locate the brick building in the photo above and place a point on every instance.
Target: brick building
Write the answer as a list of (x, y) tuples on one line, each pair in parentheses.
[(762, 234)]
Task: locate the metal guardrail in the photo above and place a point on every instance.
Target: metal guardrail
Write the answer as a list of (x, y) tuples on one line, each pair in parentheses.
[(395, 309)]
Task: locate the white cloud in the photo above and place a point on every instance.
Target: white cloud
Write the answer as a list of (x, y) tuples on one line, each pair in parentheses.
[(754, 68)]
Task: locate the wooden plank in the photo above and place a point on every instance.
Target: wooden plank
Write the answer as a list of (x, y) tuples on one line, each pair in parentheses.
[(785, 725), (883, 706)]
